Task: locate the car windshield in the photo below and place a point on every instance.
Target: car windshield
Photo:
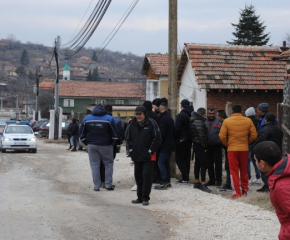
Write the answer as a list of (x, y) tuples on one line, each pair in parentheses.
[(18, 129), (63, 124)]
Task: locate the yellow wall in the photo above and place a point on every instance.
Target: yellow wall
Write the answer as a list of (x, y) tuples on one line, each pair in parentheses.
[(123, 113), (178, 104), (163, 88)]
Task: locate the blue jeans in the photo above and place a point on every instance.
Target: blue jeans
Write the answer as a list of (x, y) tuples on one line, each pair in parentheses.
[(164, 166), (251, 159), (74, 140)]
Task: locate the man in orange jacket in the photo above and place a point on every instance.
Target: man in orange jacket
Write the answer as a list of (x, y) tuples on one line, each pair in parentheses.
[(236, 134)]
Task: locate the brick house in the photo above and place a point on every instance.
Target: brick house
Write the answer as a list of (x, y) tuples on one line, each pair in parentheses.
[(155, 67), (79, 96)]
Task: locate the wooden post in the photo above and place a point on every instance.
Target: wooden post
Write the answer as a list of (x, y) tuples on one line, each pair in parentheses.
[(172, 71)]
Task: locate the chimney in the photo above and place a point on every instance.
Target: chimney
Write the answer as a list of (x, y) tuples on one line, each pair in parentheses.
[(284, 47)]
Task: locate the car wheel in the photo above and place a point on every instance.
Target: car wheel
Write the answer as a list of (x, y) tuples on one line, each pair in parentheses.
[(34, 150), (80, 148), (3, 150)]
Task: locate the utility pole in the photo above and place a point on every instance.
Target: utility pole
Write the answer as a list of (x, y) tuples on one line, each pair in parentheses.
[(26, 108), (56, 49), (38, 75), (172, 71)]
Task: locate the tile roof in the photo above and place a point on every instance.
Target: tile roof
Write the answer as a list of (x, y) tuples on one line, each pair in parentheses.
[(283, 56), (233, 66), (158, 63), (101, 89), (46, 85)]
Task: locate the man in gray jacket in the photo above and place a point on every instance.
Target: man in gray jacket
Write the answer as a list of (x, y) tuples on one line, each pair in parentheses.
[(214, 151)]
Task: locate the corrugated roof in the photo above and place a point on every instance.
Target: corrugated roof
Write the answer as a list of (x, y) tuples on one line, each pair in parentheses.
[(101, 89), (234, 66)]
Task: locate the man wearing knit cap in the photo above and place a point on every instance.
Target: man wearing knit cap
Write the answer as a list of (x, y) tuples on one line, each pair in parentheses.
[(155, 108), (262, 109), (250, 113), (183, 140), (149, 112)]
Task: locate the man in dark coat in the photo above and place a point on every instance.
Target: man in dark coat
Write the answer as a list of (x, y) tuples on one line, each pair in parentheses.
[(214, 151), (166, 125), (183, 142), (149, 112), (199, 138), (144, 138), (269, 132), (74, 130)]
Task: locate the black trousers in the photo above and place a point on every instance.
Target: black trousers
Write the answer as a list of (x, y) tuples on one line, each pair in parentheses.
[(200, 162), (227, 168), (143, 172), (214, 161), (265, 179), (182, 158)]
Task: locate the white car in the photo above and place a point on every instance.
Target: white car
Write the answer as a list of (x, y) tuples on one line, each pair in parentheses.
[(18, 137)]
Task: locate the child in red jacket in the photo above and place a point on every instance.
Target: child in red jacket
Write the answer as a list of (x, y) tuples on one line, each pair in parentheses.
[(268, 159)]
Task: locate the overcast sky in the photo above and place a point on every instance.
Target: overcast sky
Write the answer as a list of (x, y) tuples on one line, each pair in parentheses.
[(146, 29)]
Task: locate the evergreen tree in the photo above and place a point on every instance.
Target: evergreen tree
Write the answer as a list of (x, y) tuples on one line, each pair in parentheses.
[(31, 76), (24, 58), (89, 77), (249, 30), (20, 71), (94, 57), (95, 75)]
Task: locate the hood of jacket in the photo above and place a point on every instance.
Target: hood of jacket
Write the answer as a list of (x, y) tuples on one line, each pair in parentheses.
[(74, 121), (99, 111), (196, 116), (188, 110), (280, 170)]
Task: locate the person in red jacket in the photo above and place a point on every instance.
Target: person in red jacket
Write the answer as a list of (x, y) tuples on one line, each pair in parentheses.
[(268, 159)]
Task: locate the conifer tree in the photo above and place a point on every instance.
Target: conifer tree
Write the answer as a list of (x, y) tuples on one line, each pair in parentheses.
[(95, 75), (94, 57), (24, 58), (249, 30), (89, 77)]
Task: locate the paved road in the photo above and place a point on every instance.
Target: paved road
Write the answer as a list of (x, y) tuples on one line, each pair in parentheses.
[(49, 195)]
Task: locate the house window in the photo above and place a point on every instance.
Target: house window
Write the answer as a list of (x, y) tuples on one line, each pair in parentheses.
[(134, 102), (119, 101), (98, 101), (68, 102)]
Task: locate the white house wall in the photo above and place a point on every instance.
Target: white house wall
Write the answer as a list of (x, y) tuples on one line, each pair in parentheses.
[(152, 93), (189, 89)]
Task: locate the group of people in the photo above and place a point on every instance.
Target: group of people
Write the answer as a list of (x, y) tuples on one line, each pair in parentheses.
[(152, 135)]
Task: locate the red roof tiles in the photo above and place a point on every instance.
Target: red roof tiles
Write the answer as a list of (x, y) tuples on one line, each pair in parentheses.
[(101, 89), (158, 63), (234, 67)]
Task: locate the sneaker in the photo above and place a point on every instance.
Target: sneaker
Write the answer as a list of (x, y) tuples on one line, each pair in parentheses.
[(136, 201), (197, 185), (235, 196), (225, 187), (96, 190), (134, 188), (218, 184), (72, 148), (162, 186), (264, 189), (204, 188), (210, 183), (257, 181), (244, 193), (110, 189), (145, 203), (182, 181)]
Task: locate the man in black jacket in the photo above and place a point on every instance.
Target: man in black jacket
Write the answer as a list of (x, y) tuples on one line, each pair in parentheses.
[(182, 140), (144, 138), (199, 136), (74, 130), (166, 125), (269, 132), (214, 151)]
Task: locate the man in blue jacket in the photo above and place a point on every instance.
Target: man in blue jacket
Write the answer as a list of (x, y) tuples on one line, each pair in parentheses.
[(100, 131)]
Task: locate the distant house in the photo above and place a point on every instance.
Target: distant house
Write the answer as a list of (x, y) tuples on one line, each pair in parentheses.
[(79, 96), (89, 63), (155, 67), (212, 75)]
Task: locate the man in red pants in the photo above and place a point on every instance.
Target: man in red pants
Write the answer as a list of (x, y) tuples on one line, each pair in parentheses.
[(236, 134)]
